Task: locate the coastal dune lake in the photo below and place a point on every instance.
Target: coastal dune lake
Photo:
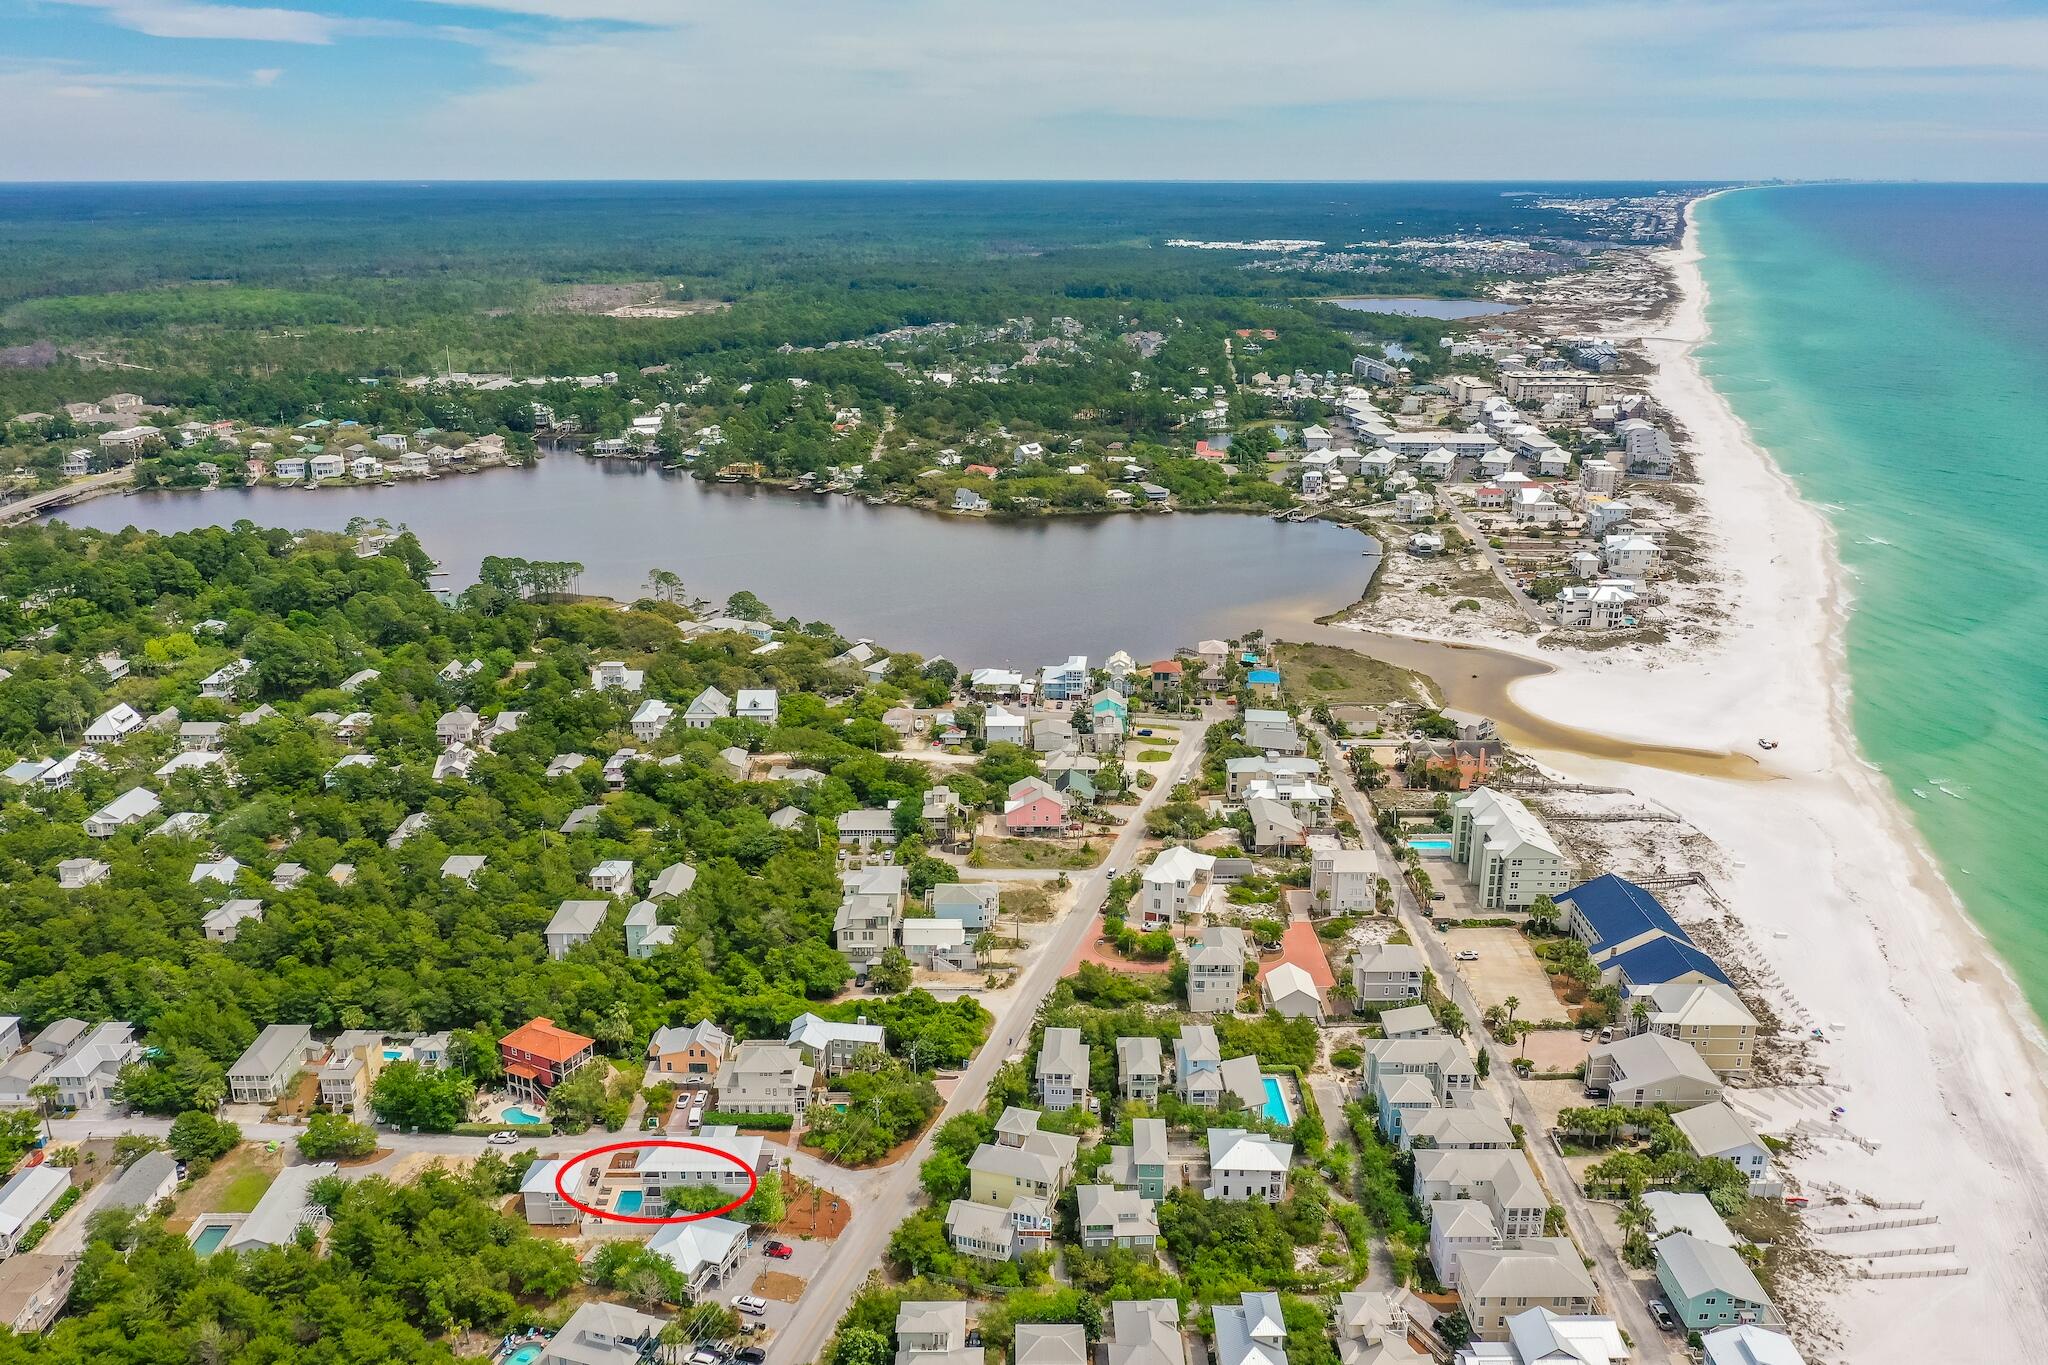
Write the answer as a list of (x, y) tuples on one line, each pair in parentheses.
[(984, 591)]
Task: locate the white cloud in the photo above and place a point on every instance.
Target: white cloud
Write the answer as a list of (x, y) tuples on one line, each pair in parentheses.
[(189, 19), (265, 76)]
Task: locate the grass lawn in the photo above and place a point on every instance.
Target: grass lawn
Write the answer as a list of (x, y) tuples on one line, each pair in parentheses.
[(1333, 676), (240, 1194), (234, 1184), (1154, 756), (1027, 902), (1036, 853)]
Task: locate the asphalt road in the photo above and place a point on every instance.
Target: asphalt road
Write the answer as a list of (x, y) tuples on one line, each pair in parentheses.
[(859, 1249), (1624, 1304)]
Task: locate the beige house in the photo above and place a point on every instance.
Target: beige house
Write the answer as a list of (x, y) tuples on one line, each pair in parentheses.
[(765, 1078), (1650, 1069), (1708, 1016), (1544, 1272)]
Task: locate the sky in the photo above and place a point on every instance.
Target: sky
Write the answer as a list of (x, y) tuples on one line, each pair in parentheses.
[(1031, 89)]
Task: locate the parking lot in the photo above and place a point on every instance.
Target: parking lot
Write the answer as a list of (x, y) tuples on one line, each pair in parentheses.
[(1506, 967), (804, 1260)]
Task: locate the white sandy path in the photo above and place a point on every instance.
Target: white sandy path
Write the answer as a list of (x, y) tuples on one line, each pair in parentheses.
[(1940, 1061)]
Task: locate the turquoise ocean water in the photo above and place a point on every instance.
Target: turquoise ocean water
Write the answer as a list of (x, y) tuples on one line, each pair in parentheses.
[(1889, 346)]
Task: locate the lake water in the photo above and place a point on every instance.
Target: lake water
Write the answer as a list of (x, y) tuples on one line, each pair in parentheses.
[(989, 592), (1448, 309)]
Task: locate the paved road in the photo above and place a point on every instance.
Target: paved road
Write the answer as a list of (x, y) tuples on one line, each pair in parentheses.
[(860, 1248), (1623, 1302), (21, 509)]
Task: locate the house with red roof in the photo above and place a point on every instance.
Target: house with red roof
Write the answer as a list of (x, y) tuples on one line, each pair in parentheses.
[(1166, 676), (538, 1056)]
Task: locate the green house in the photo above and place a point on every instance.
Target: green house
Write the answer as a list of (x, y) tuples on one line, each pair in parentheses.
[(1709, 1285)]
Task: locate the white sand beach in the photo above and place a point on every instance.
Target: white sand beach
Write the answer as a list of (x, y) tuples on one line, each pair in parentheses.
[(1933, 1053)]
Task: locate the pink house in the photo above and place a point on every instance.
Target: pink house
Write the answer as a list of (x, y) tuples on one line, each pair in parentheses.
[(1034, 807)]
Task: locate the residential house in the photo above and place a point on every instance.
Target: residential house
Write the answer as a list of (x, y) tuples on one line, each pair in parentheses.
[(1274, 732), (600, 1333), (540, 1202), (867, 829), (761, 704), (1386, 972), (1175, 884), (1034, 806), (353, 1060), (220, 684), (1142, 1165), (1479, 1126), (645, 932), (456, 727), (225, 924), (1062, 1072), (266, 1067), (651, 720), (765, 1078), (1064, 682), (1543, 1272), (1140, 1069), (1044, 1343), (613, 675), (690, 1055), (830, 1046), (1246, 1165), (1501, 1180), (149, 1180), (75, 874), (1749, 1344), (1505, 851), (1216, 964), (940, 810), (938, 945), (934, 1333), (26, 1198), (1537, 1336), (674, 880), (612, 877), (1252, 1331), (1715, 1130), (574, 923), (1022, 1162), (870, 909), (1457, 1226), (707, 706), (998, 1234), (538, 1055), (1650, 1069), (463, 867), (1708, 1016), (1709, 1285), (975, 904), (1202, 1075), (129, 808), (1145, 1332), (1408, 1021), (87, 1071), (1343, 881), (1289, 991), (1113, 1217), (1372, 1329), (284, 1208), (1166, 677), (1675, 1211)]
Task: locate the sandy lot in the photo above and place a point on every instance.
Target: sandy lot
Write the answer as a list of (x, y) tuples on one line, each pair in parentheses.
[(1506, 967)]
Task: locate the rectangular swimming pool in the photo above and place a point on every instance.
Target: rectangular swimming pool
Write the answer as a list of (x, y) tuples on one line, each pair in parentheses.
[(1439, 845), (629, 1201), (1275, 1107), (209, 1239)]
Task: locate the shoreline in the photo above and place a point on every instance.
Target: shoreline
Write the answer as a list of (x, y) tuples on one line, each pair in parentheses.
[(1932, 1049)]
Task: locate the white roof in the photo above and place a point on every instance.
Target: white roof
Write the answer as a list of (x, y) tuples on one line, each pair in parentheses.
[(809, 1031), (1237, 1150), (692, 1246), (1715, 1129), (1749, 1344), (1178, 864), (25, 1193)]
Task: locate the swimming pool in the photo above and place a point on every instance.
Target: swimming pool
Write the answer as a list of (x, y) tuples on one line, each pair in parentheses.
[(629, 1201), (525, 1355), (1437, 844), (514, 1114), (1275, 1107), (209, 1239), (392, 1054)]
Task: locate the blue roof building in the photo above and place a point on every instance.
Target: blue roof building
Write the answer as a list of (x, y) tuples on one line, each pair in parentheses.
[(1612, 915), (1659, 961)]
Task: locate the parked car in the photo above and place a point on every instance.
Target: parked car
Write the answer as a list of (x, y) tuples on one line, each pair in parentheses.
[(747, 1303), (751, 1355), (1607, 1035), (1468, 955), (503, 1139), (704, 1355), (781, 1251), (1660, 1312)]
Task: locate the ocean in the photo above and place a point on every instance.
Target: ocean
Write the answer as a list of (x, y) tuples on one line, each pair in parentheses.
[(1888, 346)]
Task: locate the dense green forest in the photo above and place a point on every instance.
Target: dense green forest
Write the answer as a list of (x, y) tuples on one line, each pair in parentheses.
[(400, 947)]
